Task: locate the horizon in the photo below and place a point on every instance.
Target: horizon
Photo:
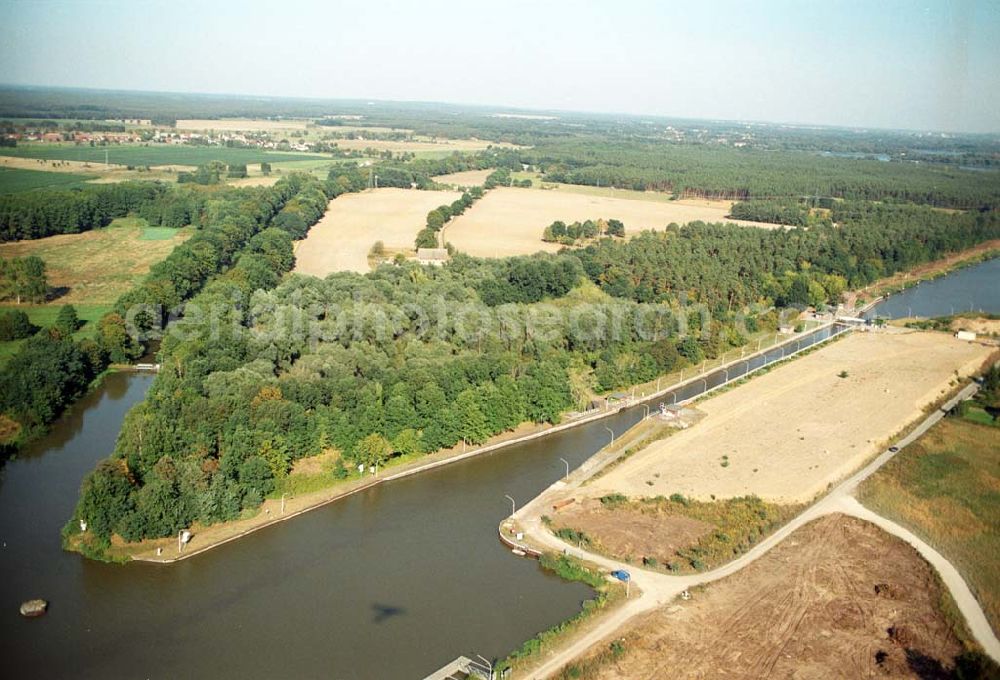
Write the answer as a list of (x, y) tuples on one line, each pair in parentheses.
[(898, 66), (497, 107)]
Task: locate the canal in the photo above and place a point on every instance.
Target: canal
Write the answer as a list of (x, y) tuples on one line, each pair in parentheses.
[(392, 582), (973, 288)]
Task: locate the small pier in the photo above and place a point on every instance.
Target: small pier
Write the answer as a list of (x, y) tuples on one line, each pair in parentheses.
[(462, 668)]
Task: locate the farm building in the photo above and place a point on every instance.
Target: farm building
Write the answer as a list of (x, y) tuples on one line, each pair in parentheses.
[(434, 256)]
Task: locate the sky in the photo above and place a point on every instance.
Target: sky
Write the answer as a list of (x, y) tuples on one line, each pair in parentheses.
[(871, 63)]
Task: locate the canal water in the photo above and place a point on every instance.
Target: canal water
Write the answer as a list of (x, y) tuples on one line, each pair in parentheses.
[(973, 288), (392, 582)]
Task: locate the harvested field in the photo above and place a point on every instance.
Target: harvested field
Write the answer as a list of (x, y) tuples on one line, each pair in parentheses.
[(340, 241), (944, 488), (80, 167), (469, 178), (511, 221), (789, 433), (20, 174), (838, 599), (97, 266)]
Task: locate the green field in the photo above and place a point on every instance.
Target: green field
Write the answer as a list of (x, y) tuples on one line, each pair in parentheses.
[(977, 414), (156, 154), (44, 316), (946, 488), (15, 179), (157, 233)]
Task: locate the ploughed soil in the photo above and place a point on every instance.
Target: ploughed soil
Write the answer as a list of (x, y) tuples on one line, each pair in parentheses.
[(838, 599)]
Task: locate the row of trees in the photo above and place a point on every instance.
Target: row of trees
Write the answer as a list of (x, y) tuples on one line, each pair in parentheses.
[(572, 234), (34, 214), (212, 173), (236, 236), (437, 218)]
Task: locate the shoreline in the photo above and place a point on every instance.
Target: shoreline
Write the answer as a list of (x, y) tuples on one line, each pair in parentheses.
[(322, 498), (886, 287)]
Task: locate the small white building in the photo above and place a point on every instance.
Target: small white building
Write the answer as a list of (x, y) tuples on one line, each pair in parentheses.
[(434, 256), (966, 335)]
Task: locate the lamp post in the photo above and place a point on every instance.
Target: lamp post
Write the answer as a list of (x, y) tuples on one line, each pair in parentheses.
[(513, 506), (283, 503), (645, 406), (566, 462), (612, 433)]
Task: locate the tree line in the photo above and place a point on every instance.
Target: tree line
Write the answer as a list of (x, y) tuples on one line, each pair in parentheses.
[(240, 233), (572, 234), (437, 218), (728, 173), (36, 214), (725, 265)]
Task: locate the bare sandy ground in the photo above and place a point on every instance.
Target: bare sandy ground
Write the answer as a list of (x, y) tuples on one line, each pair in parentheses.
[(469, 178), (840, 598), (241, 124), (982, 325), (354, 222), (511, 221), (791, 432)]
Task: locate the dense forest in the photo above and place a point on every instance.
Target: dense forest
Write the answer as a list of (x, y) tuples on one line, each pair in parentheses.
[(726, 266), (722, 172), (35, 214), (410, 359)]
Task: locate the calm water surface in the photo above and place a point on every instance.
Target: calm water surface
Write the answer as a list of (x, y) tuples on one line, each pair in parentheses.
[(973, 288)]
